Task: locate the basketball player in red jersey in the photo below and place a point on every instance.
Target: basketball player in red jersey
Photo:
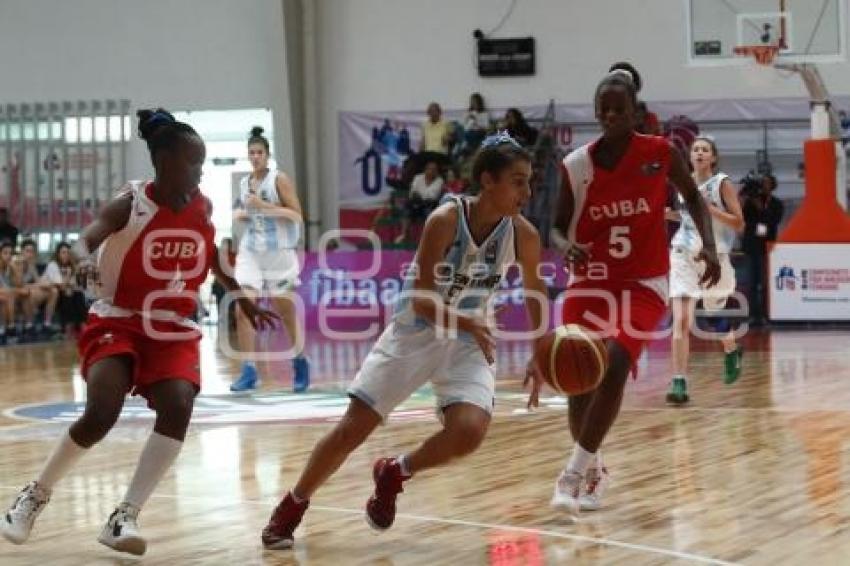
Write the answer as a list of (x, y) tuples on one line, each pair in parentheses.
[(610, 226), (155, 245)]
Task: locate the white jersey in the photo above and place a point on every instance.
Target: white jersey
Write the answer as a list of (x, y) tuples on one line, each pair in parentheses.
[(266, 232), (470, 272), (688, 237)]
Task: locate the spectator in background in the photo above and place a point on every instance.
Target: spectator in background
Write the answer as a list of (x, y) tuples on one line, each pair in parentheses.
[(647, 122), (425, 193), (436, 132), (476, 123), (34, 292), (519, 129), (455, 184), (844, 122), (8, 233), (61, 274), (762, 214), (8, 292)]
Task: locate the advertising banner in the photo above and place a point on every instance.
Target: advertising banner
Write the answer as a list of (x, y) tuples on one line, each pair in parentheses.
[(809, 282)]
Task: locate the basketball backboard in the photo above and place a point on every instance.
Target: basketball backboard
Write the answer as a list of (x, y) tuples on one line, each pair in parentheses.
[(804, 30)]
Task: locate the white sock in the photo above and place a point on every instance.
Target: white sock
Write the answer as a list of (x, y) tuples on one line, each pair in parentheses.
[(580, 460), (681, 376), (403, 464), (157, 456), (64, 456)]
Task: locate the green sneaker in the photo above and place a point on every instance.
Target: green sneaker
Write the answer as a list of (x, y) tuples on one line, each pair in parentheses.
[(732, 365), (678, 392)]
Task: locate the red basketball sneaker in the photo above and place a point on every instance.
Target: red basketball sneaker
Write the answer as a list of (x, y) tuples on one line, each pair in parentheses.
[(285, 518), (380, 509)]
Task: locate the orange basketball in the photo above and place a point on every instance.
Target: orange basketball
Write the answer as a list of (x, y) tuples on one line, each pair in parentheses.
[(573, 360)]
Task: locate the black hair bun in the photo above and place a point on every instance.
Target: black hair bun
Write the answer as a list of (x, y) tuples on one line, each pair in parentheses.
[(151, 120), (626, 66), (257, 131)]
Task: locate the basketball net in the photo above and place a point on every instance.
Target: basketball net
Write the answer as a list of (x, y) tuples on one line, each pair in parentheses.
[(763, 54)]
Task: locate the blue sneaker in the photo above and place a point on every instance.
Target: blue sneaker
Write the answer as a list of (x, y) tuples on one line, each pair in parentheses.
[(301, 381), (247, 380)]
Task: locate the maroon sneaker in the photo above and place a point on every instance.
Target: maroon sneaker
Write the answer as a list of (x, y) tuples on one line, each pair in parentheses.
[(285, 518), (380, 509)]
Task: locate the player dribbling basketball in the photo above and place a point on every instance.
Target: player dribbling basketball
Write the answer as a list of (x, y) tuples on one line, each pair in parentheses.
[(466, 246), (610, 226)]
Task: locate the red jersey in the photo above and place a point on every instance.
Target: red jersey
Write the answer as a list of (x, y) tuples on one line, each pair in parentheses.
[(156, 263), (620, 213)]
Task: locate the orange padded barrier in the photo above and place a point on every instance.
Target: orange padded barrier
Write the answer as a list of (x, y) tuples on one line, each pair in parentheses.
[(820, 218)]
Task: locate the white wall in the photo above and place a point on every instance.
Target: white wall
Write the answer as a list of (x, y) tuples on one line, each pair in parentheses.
[(179, 54), (401, 54)]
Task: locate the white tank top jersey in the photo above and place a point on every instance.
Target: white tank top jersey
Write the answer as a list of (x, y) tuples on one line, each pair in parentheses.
[(469, 274), (266, 232), (687, 235)]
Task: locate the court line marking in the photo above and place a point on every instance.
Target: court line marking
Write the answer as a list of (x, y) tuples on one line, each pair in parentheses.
[(460, 523)]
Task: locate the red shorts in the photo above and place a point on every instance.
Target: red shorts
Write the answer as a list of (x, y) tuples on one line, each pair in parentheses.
[(154, 359), (628, 312)]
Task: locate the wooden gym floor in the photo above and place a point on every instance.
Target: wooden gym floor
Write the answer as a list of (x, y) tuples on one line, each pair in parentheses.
[(751, 473)]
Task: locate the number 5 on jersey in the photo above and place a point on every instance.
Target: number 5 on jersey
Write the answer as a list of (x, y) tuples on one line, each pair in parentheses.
[(620, 246)]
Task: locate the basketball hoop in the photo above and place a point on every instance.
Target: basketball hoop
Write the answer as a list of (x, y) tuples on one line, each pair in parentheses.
[(763, 54)]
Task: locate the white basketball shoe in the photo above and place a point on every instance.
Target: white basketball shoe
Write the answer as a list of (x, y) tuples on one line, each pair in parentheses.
[(596, 483), (121, 531), (16, 524), (567, 492)]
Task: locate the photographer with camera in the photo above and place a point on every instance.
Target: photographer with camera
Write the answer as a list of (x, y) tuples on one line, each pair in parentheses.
[(762, 214)]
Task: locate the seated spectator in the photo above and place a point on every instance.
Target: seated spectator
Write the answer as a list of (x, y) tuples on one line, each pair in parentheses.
[(519, 129), (476, 123), (425, 192), (436, 132), (455, 184), (35, 293), (8, 233), (8, 292), (62, 274)]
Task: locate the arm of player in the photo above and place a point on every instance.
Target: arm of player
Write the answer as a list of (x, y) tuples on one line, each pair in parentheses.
[(671, 215), (681, 178), (259, 318), (111, 218), (574, 253), (536, 297), (290, 207), (437, 236), (733, 216)]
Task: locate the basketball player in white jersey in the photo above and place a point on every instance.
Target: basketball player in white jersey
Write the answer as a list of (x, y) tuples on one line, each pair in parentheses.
[(721, 198), (269, 214), (153, 246), (465, 249)]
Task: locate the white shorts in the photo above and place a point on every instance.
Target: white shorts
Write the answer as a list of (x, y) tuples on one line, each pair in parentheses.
[(685, 273), (405, 358), (273, 272)]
